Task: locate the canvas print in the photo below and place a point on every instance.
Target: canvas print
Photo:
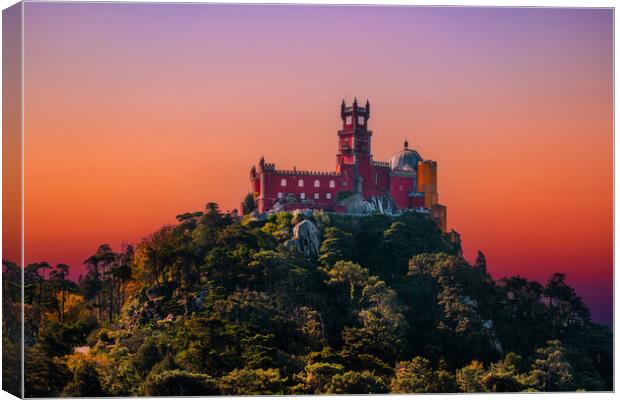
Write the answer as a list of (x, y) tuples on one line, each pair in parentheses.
[(232, 199)]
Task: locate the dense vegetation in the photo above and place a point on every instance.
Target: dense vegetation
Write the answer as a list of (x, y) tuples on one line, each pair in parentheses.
[(220, 304)]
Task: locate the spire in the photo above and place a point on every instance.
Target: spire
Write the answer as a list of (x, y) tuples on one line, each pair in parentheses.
[(355, 102), (406, 144), (367, 109), (342, 106)]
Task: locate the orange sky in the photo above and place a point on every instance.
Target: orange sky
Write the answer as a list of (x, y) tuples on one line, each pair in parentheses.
[(136, 113)]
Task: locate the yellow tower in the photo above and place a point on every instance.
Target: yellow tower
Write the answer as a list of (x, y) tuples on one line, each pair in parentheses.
[(427, 182)]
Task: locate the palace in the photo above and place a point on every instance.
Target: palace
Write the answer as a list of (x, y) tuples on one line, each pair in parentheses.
[(406, 182)]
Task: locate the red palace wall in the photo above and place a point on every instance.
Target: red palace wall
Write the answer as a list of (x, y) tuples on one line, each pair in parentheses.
[(400, 187), (380, 177), (326, 194)]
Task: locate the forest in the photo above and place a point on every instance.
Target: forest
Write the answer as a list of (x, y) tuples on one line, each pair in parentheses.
[(223, 304)]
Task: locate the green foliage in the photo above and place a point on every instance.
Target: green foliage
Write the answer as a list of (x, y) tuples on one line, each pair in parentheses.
[(85, 382), (180, 383), (353, 382), (551, 370), (249, 204), (336, 246), (469, 378), (417, 376), (211, 305), (316, 377), (253, 381)]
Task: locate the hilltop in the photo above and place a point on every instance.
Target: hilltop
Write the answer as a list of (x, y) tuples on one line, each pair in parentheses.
[(301, 303)]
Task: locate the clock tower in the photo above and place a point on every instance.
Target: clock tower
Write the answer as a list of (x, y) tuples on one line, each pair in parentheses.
[(354, 143)]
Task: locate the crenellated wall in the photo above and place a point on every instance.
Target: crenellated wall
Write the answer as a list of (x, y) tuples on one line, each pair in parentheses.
[(318, 186)]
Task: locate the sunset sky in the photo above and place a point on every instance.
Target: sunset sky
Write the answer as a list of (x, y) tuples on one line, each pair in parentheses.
[(135, 113)]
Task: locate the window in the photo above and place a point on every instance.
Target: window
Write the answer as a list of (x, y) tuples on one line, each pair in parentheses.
[(376, 178), (280, 195), (360, 120), (328, 196), (302, 195), (316, 196), (332, 183), (348, 120), (401, 188), (300, 183), (283, 182), (317, 183)]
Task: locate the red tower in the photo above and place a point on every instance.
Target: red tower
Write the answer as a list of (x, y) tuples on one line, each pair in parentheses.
[(354, 156)]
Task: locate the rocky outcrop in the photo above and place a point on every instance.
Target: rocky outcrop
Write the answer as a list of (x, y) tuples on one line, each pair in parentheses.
[(306, 238), (383, 204)]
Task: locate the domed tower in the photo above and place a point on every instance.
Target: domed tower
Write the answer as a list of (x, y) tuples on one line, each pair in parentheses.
[(406, 159)]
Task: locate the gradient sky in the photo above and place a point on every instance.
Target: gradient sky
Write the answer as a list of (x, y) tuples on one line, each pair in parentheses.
[(135, 113)]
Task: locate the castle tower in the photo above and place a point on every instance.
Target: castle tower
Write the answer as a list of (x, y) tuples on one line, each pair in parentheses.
[(354, 144), (427, 182)]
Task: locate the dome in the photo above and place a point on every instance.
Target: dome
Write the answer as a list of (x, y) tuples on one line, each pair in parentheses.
[(406, 159)]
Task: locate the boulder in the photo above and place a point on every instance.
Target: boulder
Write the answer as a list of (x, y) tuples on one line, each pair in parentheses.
[(307, 237)]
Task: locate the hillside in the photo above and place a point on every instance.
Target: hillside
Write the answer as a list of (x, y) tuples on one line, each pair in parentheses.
[(295, 303)]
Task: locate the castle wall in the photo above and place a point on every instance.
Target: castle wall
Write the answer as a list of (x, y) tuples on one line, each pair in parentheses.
[(416, 200), (319, 187), (380, 177), (400, 187)]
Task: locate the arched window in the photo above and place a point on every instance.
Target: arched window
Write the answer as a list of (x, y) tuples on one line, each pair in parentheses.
[(302, 195), (317, 183), (301, 183), (332, 183), (280, 195), (316, 196), (328, 196), (283, 182)]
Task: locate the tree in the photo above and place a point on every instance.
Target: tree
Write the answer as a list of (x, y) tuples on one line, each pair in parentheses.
[(481, 262), (336, 246), (551, 371), (58, 277), (99, 266), (252, 382), (469, 378), (353, 382), (398, 247), (248, 204), (180, 383), (85, 381), (316, 377), (566, 309), (417, 376)]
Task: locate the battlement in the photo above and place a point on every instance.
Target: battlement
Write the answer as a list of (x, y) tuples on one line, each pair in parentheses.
[(402, 172), (298, 172), (427, 162), (381, 164)]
